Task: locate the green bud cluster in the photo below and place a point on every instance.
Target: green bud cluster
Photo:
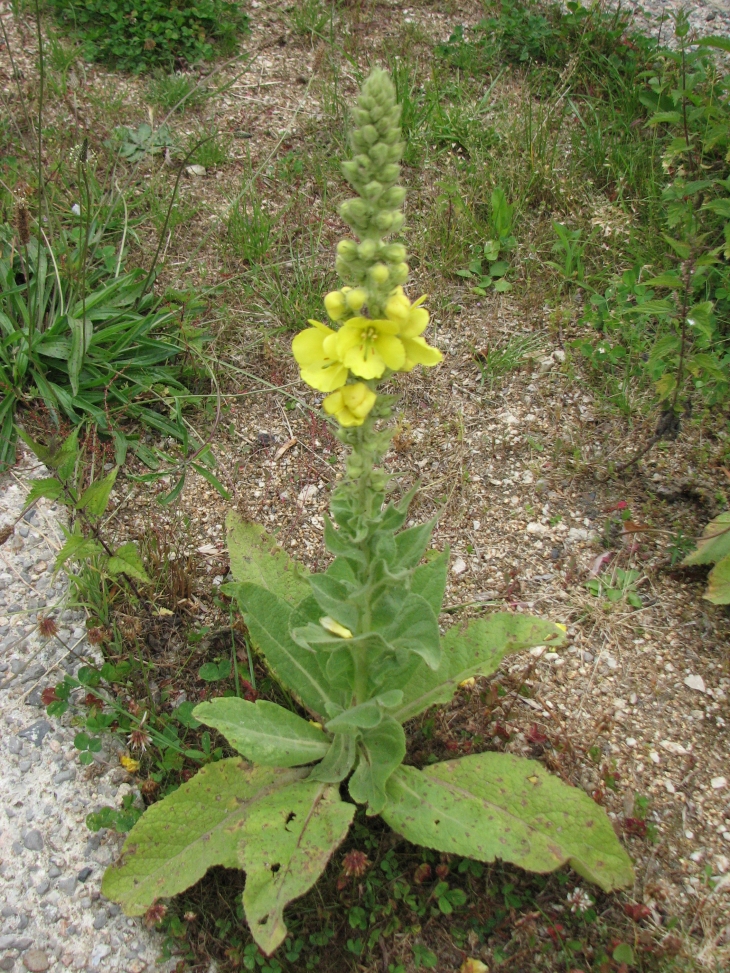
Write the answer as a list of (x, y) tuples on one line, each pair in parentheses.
[(373, 172)]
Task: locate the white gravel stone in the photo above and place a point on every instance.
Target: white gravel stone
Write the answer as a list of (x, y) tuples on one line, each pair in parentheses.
[(44, 842), (695, 682)]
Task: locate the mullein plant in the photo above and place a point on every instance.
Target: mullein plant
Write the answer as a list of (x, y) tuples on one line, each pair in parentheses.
[(358, 646)]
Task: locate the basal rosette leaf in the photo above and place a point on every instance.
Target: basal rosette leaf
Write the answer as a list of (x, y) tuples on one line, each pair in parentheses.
[(285, 843), (256, 559), (497, 806), (718, 583), (714, 544), (178, 839), (474, 649), (265, 733)]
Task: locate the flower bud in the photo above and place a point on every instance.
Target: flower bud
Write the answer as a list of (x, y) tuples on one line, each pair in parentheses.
[(389, 173), (394, 253), (355, 299), (384, 220), (379, 154), (367, 249), (335, 304), (379, 274), (373, 190), (347, 249), (397, 222), (393, 197), (369, 134), (399, 274)]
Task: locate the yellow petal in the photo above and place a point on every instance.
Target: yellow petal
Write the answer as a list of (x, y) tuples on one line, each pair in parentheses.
[(307, 346), (333, 403), (335, 628), (416, 324), (130, 765), (467, 683), (364, 366), (391, 350), (359, 399), (472, 965), (418, 352), (325, 375)]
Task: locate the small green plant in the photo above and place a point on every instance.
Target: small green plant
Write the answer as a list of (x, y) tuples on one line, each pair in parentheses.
[(312, 18), (620, 586), (714, 548), (358, 646), (488, 269), (175, 92), (213, 148), (135, 36), (250, 230), (134, 145), (570, 249)]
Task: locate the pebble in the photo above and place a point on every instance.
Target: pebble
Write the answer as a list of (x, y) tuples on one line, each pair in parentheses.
[(98, 953), (718, 783), (36, 961), (458, 567), (33, 840), (695, 682)]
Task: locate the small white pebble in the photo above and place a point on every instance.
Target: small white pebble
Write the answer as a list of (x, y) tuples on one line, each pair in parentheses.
[(459, 566), (717, 783), (630, 742), (695, 682)]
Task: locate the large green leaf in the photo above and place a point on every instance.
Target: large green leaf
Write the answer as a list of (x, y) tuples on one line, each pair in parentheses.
[(381, 751), (429, 580), (256, 558), (474, 649), (714, 544), (264, 732), (497, 806), (267, 617), (286, 841), (718, 583), (197, 826)]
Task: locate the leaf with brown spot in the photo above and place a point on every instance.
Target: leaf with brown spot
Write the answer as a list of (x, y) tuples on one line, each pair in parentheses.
[(458, 807)]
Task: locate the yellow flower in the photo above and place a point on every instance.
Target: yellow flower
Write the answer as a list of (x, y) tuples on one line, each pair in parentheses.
[(412, 321), (351, 404), (334, 628), (315, 352), (367, 347), (129, 764), (467, 683)]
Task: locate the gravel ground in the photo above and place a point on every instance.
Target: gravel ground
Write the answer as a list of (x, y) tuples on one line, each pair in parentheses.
[(52, 915), (655, 17)]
